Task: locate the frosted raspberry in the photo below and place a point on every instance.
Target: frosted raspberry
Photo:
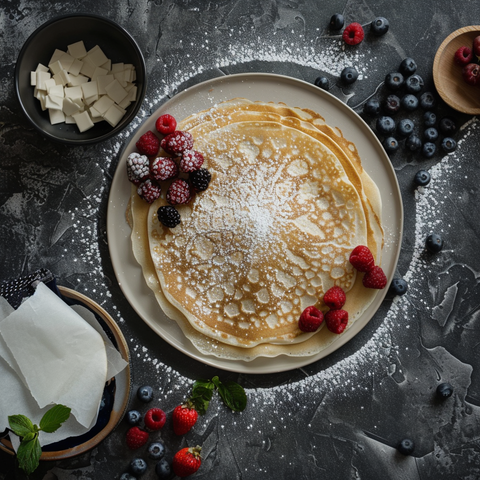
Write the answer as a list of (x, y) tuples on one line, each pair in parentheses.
[(148, 144), (177, 142), (149, 191), (179, 192), (163, 168), (138, 168), (190, 161)]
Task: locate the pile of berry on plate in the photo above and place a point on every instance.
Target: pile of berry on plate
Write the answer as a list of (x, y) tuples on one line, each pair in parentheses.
[(468, 59)]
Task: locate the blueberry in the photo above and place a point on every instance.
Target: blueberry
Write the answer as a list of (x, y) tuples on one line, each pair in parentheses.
[(390, 144), (323, 83), (428, 149), (393, 81), (406, 446), (409, 102), (449, 144), (408, 66), (444, 390), (127, 476), (337, 21), (413, 143), (156, 450), (430, 134), (163, 470), (372, 107), (405, 127), (447, 126), (138, 466), (434, 243), (133, 417), (145, 394), (414, 84), (391, 104), (427, 100), (349, 75), (398, 286), (385, 125), (379, 26), (429, 119), (422, 178)]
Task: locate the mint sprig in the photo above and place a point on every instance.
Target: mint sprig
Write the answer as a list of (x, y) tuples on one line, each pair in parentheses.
[(30, 450), (232, 394)]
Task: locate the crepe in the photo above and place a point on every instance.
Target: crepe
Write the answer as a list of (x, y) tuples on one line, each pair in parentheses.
[(287, 203)]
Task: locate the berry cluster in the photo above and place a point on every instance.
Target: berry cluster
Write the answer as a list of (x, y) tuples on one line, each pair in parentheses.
[(468, 59), (178, 164), (362, 260)]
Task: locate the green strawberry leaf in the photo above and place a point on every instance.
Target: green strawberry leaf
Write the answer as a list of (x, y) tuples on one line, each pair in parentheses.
[(28, 455), (233, 395), (53, 418), (21, 425)]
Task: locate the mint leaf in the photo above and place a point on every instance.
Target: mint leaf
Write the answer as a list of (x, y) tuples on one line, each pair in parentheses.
[(233, 395), (20, 425), (202, 392), (53, 418), (28, 455)]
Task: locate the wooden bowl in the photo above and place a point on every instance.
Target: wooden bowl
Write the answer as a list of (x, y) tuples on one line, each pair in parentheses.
[(447, 75)]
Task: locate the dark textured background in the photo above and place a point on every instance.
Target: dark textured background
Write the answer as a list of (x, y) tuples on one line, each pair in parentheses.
[(341, 417)]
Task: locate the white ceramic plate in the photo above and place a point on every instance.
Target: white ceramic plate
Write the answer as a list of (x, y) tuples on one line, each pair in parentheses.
[(266, 88)]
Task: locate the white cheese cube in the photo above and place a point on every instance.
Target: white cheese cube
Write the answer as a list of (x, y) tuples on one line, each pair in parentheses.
[(95, 115), (115, 91), (89, 89), (77, 49), (91, 99), (118, 67), (99, 71), (54, 103), (83, 121), (41, 96), (69, 120), (69, 107), (107, 65), (74, 93), (33, 78), (55, 67), (41, 68), (96, 56), (87, 67), (75, 67), (120, 76), (132, 93), (56, 90), (64, 77), (56, 116), (103, 104), (57, 54), (125, 103), (102, 82), (49, 84), (66, 60), (114, 114), (76, 80), (41, 78)]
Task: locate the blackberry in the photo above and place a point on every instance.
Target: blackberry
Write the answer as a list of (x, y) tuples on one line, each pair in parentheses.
[(414, 84), (405, 127), (434, 243), (390, 144), (429, 119), (385, 125), (406, 446), (430, 134), (428, 149), (413, 143), (323, 83), (168, 216), (200, 179), (449, 144), (391, 104), (447, 126), (408, 66), (372, 107), (427, 100), (394, 80), (379, 26), (422, 178), (444, 390), (409, 102), (337, 21), (349, 75), (398, 287)]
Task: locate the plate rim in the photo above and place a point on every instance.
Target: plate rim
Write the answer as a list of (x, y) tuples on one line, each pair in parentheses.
[(241, 366)]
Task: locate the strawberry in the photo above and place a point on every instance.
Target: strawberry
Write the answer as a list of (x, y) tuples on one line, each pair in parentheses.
[(336, 320), (353, 34), (191, 160), (375, 278), (184, 418), (310, 319), (163, 168), (155, 419), (136, 438), (187, 461), (362, 259), (334, 298), (179, 192), (165, 124), (148, 144), (177, 142)]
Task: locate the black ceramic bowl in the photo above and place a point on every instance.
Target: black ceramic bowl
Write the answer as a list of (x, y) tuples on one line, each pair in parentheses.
[(117, 44)]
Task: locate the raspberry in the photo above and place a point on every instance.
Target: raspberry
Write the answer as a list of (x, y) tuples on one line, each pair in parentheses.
[(353, 34), (149, 191), (148, 144), (165, 124), (310, 319), (137, 168), (190, 161), (375, 278), (362, 259), (177, 142), (155, 419), (334, 298), (463, 56), (163, 168), (168, 216), (136, 438), (200, 179), (336, 320), (179, 192)]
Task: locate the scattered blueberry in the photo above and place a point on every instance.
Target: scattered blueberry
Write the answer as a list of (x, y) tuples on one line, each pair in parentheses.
[(449, 144), (127, 476), (134, 417), (138, 466), (390, 144), (429, 119), (409, 102), (408, 66), (405, 127), (145, 394), (422, 178), (385, 125), (349, 75), (413, 143), (156, 450), (434, 243), (428, 149), (430, 134), (337, 21), (163, 470), (398, 286), (447, 126), (444, 390), (379, 26), (406, 446), (427, 100), (391, 104), (414, 84), (322, 82), (393, 81), (372, 107)]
